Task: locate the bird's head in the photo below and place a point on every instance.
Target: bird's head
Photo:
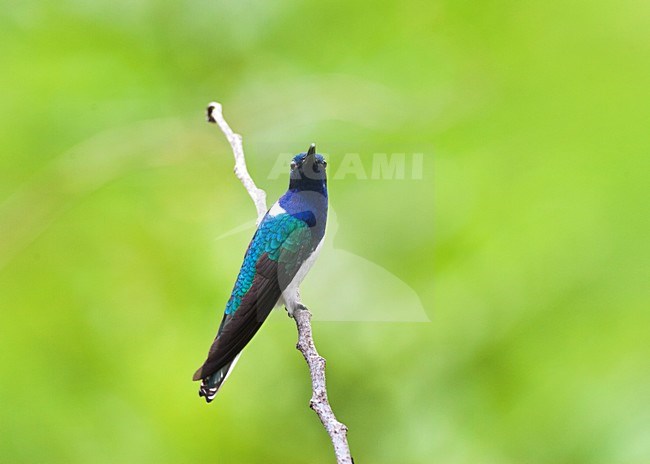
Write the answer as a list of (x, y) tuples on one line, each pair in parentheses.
[(308, 170)]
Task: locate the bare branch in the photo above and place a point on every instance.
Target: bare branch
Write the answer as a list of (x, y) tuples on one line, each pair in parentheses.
[(215, 115), (319, 401)]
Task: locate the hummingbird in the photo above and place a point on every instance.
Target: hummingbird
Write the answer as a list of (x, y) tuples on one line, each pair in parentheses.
[(279, 256)]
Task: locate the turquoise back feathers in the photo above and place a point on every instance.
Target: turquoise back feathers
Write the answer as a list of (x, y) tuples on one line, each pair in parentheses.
[(281, 237)]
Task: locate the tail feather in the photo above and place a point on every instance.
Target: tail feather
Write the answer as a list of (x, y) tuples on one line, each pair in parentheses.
[(211, 384)]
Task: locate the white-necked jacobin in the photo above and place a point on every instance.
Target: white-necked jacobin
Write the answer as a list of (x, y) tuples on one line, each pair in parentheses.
[(278, 257)]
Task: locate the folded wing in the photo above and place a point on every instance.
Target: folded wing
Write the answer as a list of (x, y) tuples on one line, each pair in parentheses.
[(278, 249)]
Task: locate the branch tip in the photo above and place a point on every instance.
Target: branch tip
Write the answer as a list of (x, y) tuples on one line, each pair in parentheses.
[(211, 108)]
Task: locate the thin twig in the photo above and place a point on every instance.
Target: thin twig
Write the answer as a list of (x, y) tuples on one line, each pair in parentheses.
[(319, 401), (258, 195)]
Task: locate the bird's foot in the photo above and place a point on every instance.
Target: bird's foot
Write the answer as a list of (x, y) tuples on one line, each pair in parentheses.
[(298, 307)]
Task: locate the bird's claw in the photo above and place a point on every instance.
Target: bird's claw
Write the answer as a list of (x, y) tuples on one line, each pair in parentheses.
[(292, 311)]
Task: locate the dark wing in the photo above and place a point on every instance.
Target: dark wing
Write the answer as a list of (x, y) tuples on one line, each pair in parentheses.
[(293, 253), (271, 277), (238, 329)]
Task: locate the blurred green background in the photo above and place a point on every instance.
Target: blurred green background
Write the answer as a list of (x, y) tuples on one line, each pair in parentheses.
[(526, 240)]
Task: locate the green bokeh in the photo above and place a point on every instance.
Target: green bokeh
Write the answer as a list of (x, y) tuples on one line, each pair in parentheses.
[(526, 239)]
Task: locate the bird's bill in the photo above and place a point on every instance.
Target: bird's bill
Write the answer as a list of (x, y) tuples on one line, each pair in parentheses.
[(312, 150)]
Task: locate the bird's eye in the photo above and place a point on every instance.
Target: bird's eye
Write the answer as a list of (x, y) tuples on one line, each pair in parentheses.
[(293, 165), (325, 164)]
